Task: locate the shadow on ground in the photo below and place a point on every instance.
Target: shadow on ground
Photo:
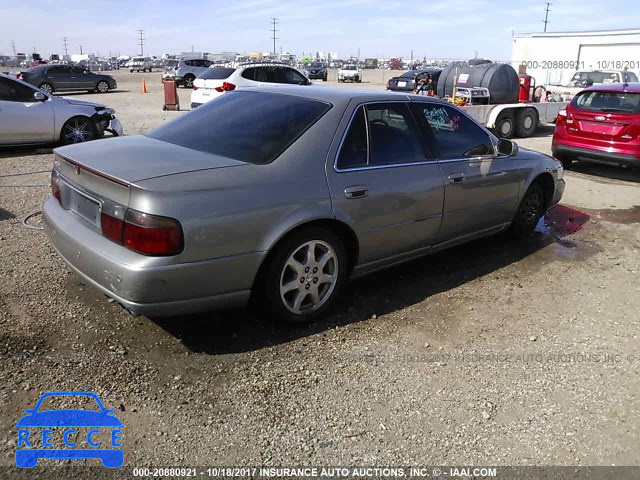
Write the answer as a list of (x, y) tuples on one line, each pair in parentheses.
[(381, 293)]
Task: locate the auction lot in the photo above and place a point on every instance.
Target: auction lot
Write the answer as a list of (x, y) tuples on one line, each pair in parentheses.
[(495, 352)]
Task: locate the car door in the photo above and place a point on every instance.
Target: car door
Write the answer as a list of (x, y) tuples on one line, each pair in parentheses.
[(61, 76), (23, 119), (383, 184), (81, 79), (481, 187)]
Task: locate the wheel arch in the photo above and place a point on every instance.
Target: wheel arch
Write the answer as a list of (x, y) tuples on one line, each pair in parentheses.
[(344, 231), (546, 182)]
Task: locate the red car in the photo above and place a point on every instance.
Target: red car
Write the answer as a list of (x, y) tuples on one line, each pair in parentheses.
[(601, 124)]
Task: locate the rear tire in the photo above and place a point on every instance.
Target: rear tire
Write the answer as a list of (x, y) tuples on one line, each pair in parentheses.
[(188, 81), (505, 125), (304, 276), (46, 87), (526, 122), (529, 211)]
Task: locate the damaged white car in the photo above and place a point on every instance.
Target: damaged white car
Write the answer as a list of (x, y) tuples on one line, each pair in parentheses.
[(30, 116)]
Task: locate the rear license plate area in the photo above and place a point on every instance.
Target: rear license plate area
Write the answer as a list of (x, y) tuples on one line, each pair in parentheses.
[(81, 204)]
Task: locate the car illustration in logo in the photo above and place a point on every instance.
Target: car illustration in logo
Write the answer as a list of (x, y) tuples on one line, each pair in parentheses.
[(36, 434)]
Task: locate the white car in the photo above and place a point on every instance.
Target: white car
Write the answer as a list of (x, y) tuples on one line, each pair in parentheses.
[(141, 64), (217, 80), (349, 72)]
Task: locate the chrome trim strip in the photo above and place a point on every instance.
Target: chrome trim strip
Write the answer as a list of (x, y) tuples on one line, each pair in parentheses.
[(377, 167)]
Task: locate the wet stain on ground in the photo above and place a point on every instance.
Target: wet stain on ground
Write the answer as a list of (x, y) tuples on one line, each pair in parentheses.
[(624, 216), (561, 222)]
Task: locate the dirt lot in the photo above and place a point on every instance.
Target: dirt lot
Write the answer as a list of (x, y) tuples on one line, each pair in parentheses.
[(495, 352)]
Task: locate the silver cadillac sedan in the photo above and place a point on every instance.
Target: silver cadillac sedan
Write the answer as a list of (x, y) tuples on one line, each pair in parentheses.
[(281, 194)]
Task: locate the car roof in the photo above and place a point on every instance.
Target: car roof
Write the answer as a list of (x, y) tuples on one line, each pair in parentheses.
[(632, 87), (338, 95)]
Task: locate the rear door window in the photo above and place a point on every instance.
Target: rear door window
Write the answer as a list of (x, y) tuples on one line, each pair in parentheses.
[(381, 134), (252, 127)]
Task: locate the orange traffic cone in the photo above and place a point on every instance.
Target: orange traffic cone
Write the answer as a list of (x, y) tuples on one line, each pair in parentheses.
[(143, 88)]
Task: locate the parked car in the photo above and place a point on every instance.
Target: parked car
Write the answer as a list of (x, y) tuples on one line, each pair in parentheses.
[(406, 81), (586, 78), (317, 71), (350, 72), (141, 64), (294, 191), (601, 124), (217, 80), (169, 68), (59, 78), (31, 116), (188, 70)]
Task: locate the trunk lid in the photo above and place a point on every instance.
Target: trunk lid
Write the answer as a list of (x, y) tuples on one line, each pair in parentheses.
[(127, 160)]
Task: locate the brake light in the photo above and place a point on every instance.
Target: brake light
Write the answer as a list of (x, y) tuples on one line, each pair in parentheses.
[(226, 87), (144, 233), (562, 117), (55, 188)]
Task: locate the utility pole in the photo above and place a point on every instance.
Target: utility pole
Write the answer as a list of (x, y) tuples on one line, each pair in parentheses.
[(66, 50), (274, 22), (141, 40), (80, 49), (13, 44), (546, 16)]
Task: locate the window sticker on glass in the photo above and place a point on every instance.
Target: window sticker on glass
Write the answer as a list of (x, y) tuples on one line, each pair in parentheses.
[(439, 119)]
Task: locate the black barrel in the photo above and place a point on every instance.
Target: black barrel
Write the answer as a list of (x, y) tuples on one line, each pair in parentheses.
[(501, 80)]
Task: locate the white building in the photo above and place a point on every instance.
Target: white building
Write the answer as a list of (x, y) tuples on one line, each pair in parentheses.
[(553, 57)]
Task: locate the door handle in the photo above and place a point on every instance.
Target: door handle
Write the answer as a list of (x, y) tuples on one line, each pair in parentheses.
[(456, 178), (357, 191)]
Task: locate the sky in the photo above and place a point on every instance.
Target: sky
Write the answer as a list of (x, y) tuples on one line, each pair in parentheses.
[(446, 29)]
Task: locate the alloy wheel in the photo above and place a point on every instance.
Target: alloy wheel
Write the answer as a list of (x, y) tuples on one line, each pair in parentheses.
[(77, 131), (309, 277)]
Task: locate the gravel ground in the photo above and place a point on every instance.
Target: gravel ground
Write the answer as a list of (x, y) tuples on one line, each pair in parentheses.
[(494, 352)]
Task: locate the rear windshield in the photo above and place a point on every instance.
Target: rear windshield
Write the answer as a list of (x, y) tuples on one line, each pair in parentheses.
[(585, 79), (253, 127), (216, 73), (615, 102)]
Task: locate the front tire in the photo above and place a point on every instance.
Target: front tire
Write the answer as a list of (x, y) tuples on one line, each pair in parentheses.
[(529, 211), (78, 130), (102, 87), (46, 87), (305, 276)]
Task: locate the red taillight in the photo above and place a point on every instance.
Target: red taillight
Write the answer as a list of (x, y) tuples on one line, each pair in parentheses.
[(112, 227), (144, 233), (55, 188), (226, 87), (562, 117)]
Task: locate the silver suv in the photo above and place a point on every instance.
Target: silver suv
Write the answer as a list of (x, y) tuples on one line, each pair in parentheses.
[(141, 64), (186, 71)]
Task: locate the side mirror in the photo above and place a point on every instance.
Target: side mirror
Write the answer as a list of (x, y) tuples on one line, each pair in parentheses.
[(39, 96), (507, 147)]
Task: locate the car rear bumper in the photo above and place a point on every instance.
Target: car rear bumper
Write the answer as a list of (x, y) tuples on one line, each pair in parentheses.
[(594, 155), (137, 282)]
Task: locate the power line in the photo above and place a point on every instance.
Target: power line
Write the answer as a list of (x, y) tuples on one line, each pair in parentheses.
[(274, 22), (141, 40), (546, 16)]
